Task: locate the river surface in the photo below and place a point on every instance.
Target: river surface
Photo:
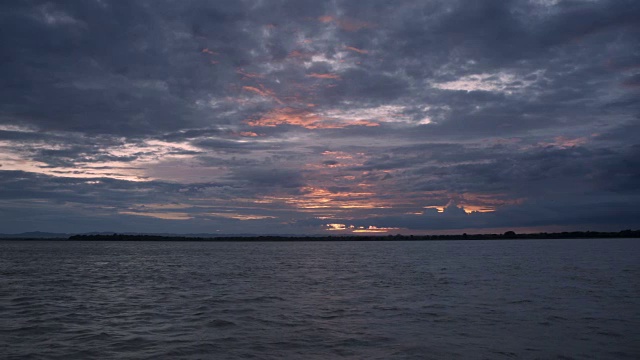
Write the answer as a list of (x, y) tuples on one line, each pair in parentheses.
[(520, 299)]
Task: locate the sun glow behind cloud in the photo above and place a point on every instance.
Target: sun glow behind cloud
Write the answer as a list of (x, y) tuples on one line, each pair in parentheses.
[(358, 229), (307, 119)]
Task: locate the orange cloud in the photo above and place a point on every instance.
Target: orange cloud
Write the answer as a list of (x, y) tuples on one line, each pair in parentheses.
[(337, 154), (288, 116), (263, 92), (564, 142), (363, 123), (477, 208), (356, 50), (207, 51), (248, 134), (324, 76), (303, 118), (373, 229), (326, 19), (248, 74), (336, 227), (318, 198), (471, 202), (257, 91), (359, 229)]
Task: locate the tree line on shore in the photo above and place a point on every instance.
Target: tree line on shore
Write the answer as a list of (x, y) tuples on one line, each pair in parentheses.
[(509, 235)]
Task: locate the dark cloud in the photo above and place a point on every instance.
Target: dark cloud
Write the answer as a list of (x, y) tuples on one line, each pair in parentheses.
[(269, 177), (236, 115)]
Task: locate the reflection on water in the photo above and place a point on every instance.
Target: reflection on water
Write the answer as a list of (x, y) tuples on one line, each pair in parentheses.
[(459, 299)]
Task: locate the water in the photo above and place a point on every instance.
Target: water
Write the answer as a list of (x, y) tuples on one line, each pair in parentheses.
[(559, 299)]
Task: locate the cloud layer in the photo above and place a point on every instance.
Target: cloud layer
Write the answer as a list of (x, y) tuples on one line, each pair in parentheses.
[(313, 117)]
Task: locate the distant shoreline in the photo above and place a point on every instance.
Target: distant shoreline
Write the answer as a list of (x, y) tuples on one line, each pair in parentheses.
[(509, 235)]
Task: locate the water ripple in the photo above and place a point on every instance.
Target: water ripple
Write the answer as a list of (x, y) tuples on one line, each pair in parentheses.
[(406, 300)]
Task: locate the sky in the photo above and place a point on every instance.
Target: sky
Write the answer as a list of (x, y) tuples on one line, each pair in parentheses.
[(319, 117)]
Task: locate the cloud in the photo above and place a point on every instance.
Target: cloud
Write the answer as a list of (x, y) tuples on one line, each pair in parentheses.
[(269, 177), (324, 76), (254, 116), (359, 51), (160, 215), (307, 119)]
